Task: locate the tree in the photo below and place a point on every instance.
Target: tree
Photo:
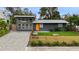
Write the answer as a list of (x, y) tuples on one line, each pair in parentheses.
[(74, 19), (17, 11), (27, 11), (13, 11), (49, 13), (10, 9), (43, 12)]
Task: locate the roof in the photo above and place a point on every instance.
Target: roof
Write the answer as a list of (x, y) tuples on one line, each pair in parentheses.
[(23, 16), (50, 21)]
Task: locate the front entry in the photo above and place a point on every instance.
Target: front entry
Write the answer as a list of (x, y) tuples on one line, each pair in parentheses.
[(37, 27)]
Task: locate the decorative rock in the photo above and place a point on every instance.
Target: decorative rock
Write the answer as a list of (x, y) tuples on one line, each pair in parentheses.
[(55, 34), (35, 33)]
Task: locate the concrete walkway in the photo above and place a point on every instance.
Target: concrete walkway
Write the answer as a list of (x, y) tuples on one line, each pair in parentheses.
[(52, 48), (14, 41)]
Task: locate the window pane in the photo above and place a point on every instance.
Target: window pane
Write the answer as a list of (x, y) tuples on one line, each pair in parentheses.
[(60, 25), (22, 24), (19, 24), (41, 25)]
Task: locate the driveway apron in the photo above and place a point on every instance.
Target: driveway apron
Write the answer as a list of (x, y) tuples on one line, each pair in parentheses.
[(14, 41)]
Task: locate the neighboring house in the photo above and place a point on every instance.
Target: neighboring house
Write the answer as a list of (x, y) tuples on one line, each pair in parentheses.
[(45, 25), (77, 28), (24, 22)]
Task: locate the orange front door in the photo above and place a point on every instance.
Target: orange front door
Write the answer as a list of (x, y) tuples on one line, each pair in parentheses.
[(37, 27)]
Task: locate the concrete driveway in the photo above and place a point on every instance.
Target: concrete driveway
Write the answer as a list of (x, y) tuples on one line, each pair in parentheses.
[(14, 41)]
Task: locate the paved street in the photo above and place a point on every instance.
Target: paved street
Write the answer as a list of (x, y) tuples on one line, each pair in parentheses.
[(52, 48), (14, 41)]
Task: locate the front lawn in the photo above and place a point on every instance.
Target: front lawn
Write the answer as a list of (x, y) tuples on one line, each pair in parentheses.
[(68, 33), (48, 39), (54, 41)]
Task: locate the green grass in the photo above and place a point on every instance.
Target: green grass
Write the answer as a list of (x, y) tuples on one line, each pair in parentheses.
[(68, 33)]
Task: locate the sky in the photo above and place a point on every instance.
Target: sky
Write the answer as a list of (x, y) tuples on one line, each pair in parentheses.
[(62, 10)]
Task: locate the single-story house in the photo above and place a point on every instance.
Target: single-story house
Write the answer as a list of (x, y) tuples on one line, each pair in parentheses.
[(24, 22), (46, 25)]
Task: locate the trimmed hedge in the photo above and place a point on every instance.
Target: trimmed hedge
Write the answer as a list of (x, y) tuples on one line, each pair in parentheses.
[(37, 43), (57, 43), (3, 32)]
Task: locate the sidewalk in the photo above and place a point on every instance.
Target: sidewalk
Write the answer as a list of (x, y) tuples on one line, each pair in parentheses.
[(52, 48)]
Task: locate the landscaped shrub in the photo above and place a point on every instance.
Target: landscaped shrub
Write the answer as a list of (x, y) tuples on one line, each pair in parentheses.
[(3, 32), (63, 29), (63, 44), (60, 29), (3, 28), (74, 43), (34, 43), (37, 43), (51, 30), (48, 44), (40, 43), (57, 29), (57, 43)]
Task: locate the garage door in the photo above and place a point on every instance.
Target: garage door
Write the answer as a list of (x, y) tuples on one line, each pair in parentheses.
[(23, 27)]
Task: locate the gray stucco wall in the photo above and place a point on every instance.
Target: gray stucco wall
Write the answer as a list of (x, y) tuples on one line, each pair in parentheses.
[(24, 21), (47, 26)]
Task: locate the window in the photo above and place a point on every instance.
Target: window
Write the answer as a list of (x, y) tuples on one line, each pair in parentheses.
[(60, 25), (19, 24), (30, 20), (22, 24), (30, 24), (23, 27), (23, 19), (41, 25), (20, 18), (26, 25), (19, 27)]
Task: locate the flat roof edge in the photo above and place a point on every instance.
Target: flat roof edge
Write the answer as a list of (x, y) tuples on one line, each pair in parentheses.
[(50, 21)]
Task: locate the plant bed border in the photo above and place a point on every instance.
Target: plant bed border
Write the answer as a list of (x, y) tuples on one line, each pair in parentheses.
[(37, 37)]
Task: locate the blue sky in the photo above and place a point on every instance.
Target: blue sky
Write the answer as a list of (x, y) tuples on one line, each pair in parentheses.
[(62, 10), (70, 10)]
